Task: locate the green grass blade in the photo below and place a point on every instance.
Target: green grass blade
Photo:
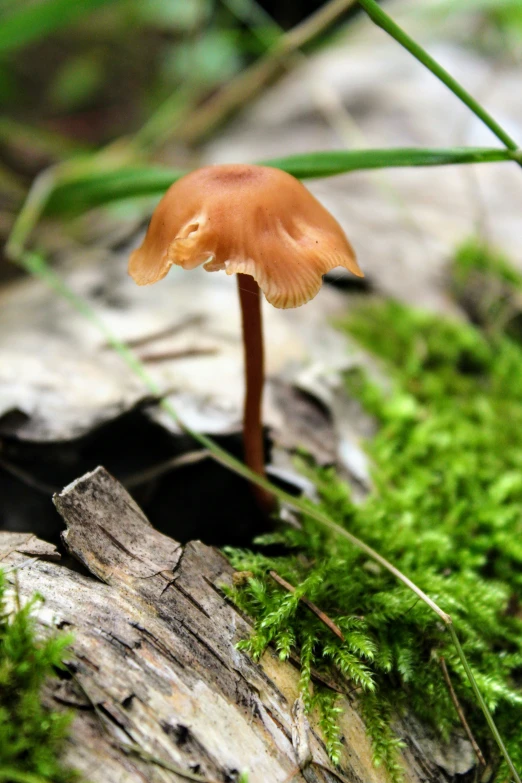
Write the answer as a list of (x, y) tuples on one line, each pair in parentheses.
[(78, 193), (328, 164), (381, 19), (483, 706), (32, 22), (87, 190)]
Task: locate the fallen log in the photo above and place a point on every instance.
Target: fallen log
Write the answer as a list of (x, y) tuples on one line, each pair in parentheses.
[(158, 689)]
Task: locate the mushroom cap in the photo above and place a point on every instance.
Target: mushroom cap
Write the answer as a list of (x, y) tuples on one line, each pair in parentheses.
[(247, 219)]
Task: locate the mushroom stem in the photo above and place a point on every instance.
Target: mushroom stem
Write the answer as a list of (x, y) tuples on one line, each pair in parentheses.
[(250, 299)]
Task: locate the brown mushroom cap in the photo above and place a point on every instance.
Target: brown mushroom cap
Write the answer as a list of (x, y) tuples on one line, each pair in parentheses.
[(255, 220)]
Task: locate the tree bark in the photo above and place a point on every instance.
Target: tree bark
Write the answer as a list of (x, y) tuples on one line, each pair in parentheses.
[(158, 690)]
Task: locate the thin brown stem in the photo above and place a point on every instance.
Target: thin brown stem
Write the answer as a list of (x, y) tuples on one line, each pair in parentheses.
[(313, 608), (250, 299), (460, 713)]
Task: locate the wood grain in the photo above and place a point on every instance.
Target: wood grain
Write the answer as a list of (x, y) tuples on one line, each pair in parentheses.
[(154, 661)]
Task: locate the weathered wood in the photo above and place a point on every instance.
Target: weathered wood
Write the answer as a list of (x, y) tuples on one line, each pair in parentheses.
[(155, 663)]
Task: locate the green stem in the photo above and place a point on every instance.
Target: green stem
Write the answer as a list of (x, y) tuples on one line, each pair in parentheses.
[(483, 705), (382, 19), (30, 213)]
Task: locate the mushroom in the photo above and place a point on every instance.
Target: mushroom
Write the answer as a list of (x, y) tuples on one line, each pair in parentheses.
[(263, 225)]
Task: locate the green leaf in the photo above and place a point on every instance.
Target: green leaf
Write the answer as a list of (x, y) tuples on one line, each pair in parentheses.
[(101, 187)]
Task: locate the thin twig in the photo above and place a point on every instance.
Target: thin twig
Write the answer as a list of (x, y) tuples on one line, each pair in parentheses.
[(142, 476), (132, 480), (151, 357), (27, 478), (249, 81), (313, 608), (331, 772), (460, 712), (318, 677), (161, 334)]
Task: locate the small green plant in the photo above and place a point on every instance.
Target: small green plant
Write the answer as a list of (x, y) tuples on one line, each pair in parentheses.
[(446, 509), (31, 736)]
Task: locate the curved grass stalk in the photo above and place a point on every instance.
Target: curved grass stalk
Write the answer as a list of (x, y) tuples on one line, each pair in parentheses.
[(381, 19)]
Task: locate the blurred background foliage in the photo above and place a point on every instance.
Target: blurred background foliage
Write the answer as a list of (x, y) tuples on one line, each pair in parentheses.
[(93, 70), (77, 76)]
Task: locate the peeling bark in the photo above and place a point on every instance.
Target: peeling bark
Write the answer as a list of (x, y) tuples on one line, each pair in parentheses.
[(155, 665)]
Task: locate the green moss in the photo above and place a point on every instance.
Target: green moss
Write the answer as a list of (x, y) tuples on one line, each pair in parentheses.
[(475, 256), (488, 289), (31, 736), (446, 509)]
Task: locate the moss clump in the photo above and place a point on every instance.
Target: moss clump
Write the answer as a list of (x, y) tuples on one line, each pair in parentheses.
[(488, 289), (31, 736), (446, 509), (474, 256)]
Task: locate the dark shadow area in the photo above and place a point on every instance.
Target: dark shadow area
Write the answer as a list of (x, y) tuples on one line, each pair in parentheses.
[(184, 494), (344, 281), (288, 13)]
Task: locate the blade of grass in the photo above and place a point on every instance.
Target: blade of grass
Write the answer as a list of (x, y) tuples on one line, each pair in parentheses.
[(36, 265), (49, 143), (31, 212), (32, 22), (483, 706), (381, 19), (85, 190), (328, 164), (78, 193)]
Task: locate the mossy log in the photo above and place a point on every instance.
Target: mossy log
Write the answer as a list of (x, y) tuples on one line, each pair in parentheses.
[(158, 689)]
